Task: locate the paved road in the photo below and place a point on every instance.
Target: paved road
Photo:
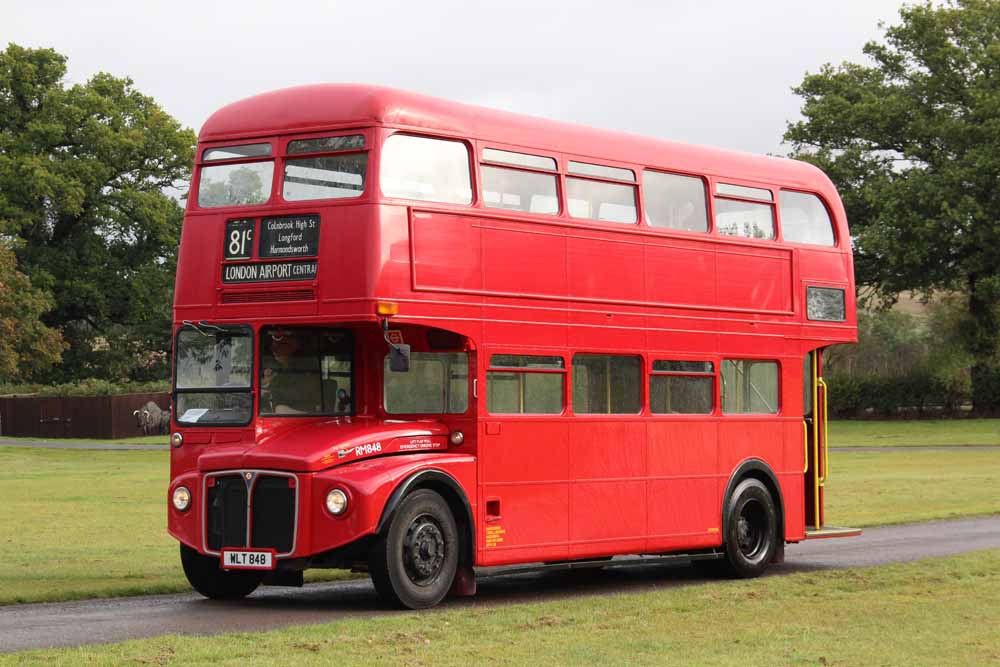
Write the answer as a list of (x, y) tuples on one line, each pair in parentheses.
[(97, 621)]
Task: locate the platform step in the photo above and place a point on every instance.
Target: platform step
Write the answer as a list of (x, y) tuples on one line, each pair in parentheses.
[(831, 531)]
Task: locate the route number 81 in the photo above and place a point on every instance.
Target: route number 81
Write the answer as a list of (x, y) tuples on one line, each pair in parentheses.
[(239, 239)]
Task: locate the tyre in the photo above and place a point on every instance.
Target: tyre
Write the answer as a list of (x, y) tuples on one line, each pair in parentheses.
[(413, 562), (206, 577), (751, 530)]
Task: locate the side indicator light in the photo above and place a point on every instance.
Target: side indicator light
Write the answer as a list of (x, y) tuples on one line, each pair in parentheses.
[(387, 308)]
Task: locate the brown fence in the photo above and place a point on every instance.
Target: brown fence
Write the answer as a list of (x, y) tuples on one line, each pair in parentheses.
[(103, 417)]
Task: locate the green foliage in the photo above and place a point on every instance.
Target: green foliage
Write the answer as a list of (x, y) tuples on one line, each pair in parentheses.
[(83, 170), (916, 393), (88, 387), (26, 344), (912, 141), (902, 365)]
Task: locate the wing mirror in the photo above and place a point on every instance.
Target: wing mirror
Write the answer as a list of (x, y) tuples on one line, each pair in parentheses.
[(399, 358)]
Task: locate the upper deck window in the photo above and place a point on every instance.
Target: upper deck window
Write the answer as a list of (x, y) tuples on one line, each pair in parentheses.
[(519, 189), (600, 200), (804, 219), (237, 152), (743, 218), (426, 169), (743, 191), (674, 201), (519, 159), (601, 171)]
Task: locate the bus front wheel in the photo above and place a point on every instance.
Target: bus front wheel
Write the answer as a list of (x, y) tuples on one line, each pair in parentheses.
[(413, 562), (206, 577), (752, 530)]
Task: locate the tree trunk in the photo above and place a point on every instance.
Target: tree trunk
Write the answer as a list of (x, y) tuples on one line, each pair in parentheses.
[(981, 338)]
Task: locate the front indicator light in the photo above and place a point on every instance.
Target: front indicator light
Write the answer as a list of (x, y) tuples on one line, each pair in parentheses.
[(176, 440), (336, 502), (457, 438), (181, 498)]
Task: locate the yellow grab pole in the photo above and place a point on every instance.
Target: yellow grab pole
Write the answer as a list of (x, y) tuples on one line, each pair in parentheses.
[(826, 435), (815, 424), (805, 446)]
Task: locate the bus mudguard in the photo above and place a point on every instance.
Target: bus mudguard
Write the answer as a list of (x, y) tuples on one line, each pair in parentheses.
[(761, 470)]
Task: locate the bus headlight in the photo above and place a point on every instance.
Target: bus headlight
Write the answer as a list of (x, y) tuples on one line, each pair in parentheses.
[(336, 502), (181, 498)]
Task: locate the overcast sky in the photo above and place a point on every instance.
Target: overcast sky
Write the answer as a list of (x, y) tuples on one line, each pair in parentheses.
[(712, 72)]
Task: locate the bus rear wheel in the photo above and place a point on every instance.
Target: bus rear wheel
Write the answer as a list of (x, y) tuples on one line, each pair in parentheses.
[(206, 577), (752, 530), (413, 562)]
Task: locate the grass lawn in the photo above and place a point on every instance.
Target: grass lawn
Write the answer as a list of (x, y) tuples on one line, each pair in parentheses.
[(80, 524), (878, 488), (934, 612), (137, 440), (863, 433)]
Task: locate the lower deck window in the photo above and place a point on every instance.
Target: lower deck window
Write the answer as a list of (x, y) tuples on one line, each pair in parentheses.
[(437, 383), (606, 384), (525, 384), (682, 387), (749, 386)]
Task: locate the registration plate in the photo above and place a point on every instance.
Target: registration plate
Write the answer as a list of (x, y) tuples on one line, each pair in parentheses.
[(247, 559)]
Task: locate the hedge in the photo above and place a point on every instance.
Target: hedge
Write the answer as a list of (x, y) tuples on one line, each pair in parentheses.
[(91, 387), (915, 394)]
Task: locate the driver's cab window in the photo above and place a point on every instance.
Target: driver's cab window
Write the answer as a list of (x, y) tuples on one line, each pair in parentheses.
[(306, 371)]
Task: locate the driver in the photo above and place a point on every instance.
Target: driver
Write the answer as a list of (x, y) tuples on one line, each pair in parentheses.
[(287, 375)]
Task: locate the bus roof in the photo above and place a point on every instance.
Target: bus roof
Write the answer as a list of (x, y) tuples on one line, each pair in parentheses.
[(329, 106)]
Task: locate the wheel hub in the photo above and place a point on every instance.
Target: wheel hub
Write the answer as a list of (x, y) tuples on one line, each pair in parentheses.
[(750, 530), (423, 550)]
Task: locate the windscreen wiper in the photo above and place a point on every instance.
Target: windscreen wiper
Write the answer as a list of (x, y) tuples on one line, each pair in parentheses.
[(202, 326)]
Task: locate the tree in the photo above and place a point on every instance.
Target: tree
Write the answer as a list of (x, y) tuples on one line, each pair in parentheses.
[(26, 344), (912, 140), (83, 175)]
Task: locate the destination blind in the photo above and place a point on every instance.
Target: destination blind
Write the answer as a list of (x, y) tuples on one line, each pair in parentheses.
[(289, 236), (268, 272)]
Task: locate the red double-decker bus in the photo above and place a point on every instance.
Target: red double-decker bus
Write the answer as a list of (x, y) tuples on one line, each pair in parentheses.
[(416, 337)]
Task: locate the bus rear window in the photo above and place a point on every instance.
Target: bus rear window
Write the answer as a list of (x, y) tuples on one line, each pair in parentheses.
[(242, 184), (328, 177)]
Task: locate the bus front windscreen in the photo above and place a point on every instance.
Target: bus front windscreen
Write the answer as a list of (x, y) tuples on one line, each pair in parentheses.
[(214, 371)]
